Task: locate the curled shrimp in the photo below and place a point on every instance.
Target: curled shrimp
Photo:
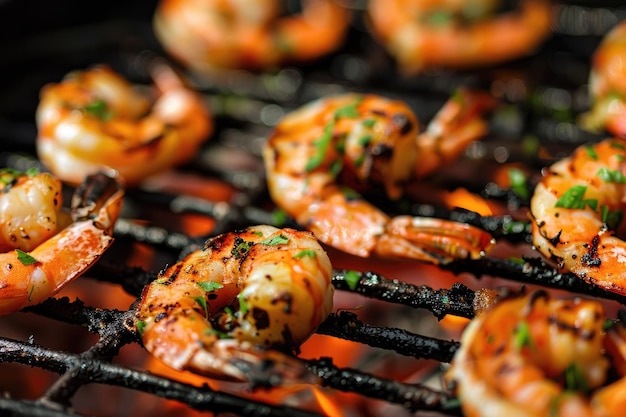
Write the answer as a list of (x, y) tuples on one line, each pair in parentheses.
[(457, 33), (39, 264), (577, 212), (31, 209), (536, 355), (219, 310), (248, 34), (320, 157), (96, 118), (607, 84)]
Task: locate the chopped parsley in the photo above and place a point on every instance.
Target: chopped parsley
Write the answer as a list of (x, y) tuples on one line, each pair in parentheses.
[(98, 108), (322, 144), (365, 140), (369, 123), (25, 258), (305, 252), (218, 333), (518, 183), (440, 18), (279, 217), (522, 336), (609, 175), (352, 278), (201, 301), (244, 307), (9, 175), (275, 240), (349, 111), (229, 311), (573, 199), (140, 325), (591, 152), (575, 379), (321, 147), (210, 286)]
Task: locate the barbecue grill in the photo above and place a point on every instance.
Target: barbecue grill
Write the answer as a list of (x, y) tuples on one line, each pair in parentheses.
[(77, 354)]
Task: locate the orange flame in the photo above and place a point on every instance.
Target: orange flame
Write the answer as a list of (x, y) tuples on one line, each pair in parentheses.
[(464, 199)]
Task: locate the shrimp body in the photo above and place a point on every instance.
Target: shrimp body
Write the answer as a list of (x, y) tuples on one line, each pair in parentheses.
[(31, 209), (96, 118), (29, 276), (577, 212), (607, 84), (248, 34), (537, 356), (259, 287), (423, 34), (320, 157)]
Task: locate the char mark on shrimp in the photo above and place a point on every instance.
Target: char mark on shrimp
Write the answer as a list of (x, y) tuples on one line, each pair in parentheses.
[(591, 258)]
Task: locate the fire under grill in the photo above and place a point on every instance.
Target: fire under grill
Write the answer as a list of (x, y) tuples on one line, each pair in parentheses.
[(541, 96)]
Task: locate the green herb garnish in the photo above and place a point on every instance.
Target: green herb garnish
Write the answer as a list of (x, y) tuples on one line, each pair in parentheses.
[(219, 334), (279, 217), (321, 147), (98, 108), (439, 18), (244, 307), (305, 252), (369, 123), (210, 286), (275, 240), (352, 278), (573, 199), (140, 325), (349, 111), (25, 258), (522, 336), (201, 301), (591, 152), (609, 175), (518, 183), (575, 379)]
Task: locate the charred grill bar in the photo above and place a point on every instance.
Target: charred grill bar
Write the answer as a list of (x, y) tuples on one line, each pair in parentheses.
[(237, 103)]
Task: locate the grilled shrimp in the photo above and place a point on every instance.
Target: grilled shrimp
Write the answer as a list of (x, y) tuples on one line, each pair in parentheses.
[(577, 212), (607, 84), (422, 34), (320, 157), (40, 255), (96, 118), (540, 356), (31, 209), (248, 34), (222, 310)]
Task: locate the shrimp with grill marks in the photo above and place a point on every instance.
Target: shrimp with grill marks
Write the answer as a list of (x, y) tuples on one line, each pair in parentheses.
[(578, 211), (321, 157), (536, 355), (231, 308), (44, 247)]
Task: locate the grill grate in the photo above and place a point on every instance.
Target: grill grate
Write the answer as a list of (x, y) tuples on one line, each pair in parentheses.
[(246, 106)]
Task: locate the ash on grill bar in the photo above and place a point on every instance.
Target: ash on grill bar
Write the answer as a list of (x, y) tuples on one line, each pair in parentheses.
[(396, 325)]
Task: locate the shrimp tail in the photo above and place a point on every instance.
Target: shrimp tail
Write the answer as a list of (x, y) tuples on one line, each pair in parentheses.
[(435, 240), (99, 197), (265, 368), (458, 123)]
